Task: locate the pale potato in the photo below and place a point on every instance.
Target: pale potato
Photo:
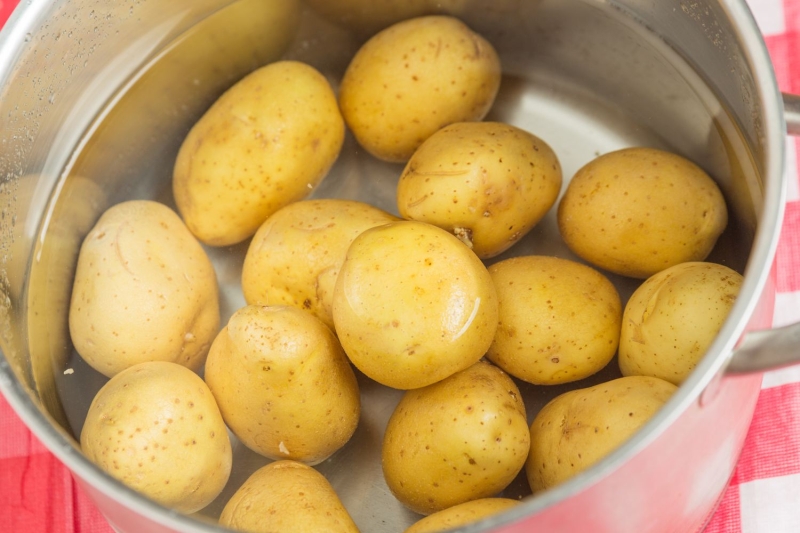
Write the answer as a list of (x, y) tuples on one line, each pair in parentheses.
[(157, 428), (559, 320), (283, 384), (578, 428), (295, 256), (673, 317), (413, 305), (488, 183), (412, 79), (461, 514), (463, 438), (638, 211), (286, 496), (267, 142), (144, 290)]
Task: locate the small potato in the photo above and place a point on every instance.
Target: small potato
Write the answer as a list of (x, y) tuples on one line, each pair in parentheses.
[(559, 320), (673, 317), (267, 142), (144, 290), (578, 428), (462, 514), (463, 438), (295, 256), (638, 211), (156, 428), (487, 183), (412, 79), (286, 496), (283, 384), (413, 305)]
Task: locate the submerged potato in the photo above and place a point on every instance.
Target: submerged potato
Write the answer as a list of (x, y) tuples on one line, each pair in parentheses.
[(144, 290), (413, 305), (673, 317), (638, 211), (487, 183), (412, 79), (156, 428), (267, 142), (295, 256), (286, 496), (283, 384), (461, 514), (578, 428)]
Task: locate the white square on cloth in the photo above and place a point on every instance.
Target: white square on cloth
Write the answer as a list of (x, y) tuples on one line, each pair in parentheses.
[(770, 505), (769, 16)]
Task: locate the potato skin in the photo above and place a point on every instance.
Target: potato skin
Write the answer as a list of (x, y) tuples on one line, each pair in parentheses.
[(157, 428), (463, 438), (673, 317), (295, 256), (412, 79), (286, 496), (578, 428), (413, 305), (283, 384), (267, 142), (144, 290), (486, 182), (461, 514), (638, 211)]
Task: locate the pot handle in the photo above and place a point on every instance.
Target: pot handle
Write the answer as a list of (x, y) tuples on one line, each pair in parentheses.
[(791, 111)]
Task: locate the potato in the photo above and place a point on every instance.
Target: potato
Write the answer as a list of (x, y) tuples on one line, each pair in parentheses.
[(286, 496), (283, 384), (295, 256), (463, 438), (413, 305), (487, 183), (412, 79), (144, 290), (267, 142), (156, 428), (673, 317), (638, 211), (462, 514), (578, 428)]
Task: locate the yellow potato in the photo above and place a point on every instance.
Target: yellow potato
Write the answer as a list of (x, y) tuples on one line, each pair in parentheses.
[(283, 384), (267, 142), (638, 211), (578, 428), (156, 428), (559, 320), (286, 496), (295, 256), (462, 514), (144, 290), (412, 79), (413, 305), (488, 183), (673, 317)]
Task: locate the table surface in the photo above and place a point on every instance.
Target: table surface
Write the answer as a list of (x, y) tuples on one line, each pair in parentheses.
[(37, 493)]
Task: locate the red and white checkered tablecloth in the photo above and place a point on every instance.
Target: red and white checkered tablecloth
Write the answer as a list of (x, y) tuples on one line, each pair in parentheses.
[(37, 493)]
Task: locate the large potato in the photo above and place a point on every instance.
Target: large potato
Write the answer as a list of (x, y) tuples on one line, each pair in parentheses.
[(267, 142), (283, 384), (286, 496), (578, 428), (144, 291), (461, 514), (638, 211), (413, 305), (412, 79), (156, 428), (486, 182), (463, 438), (559, 320), (673, 317), (295, 256)]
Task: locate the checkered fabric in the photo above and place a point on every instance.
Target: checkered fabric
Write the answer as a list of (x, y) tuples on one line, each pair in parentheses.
[(37, 493)]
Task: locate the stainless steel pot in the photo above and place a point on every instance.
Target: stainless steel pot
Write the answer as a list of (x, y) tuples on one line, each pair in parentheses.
[(95, 98)]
